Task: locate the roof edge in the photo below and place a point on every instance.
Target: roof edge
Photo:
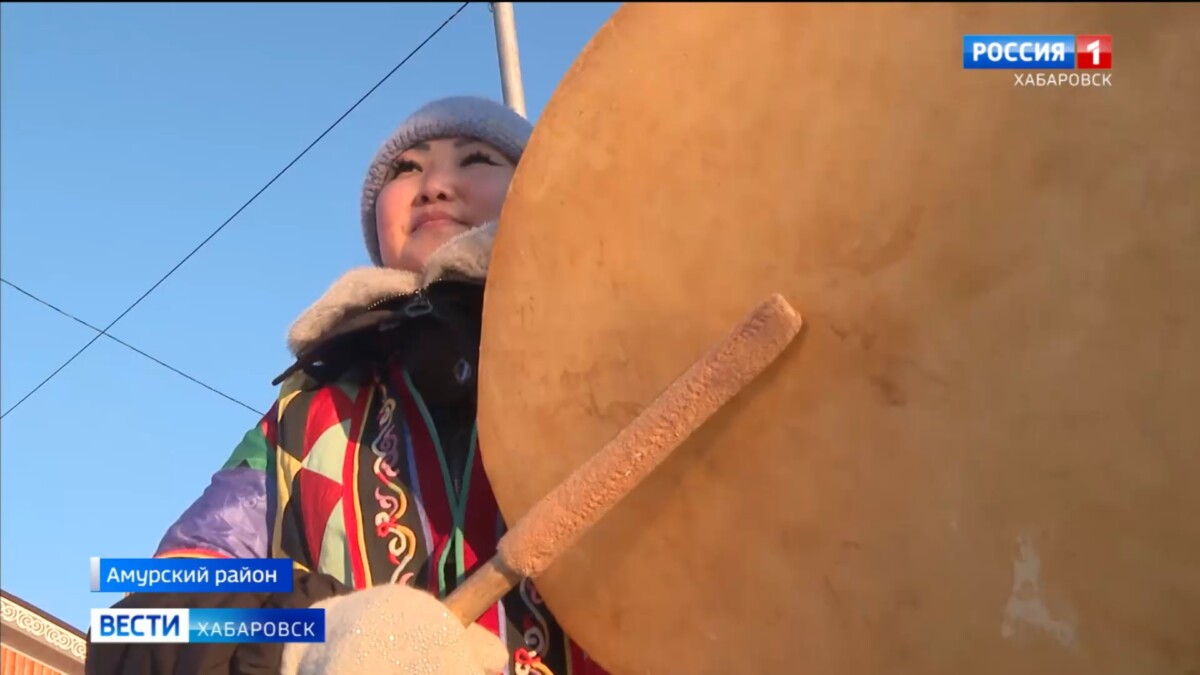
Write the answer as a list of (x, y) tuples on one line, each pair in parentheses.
[(28, 619)]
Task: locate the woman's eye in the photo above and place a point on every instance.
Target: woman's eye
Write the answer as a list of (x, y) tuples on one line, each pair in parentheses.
[(406, 165), (479, 157)]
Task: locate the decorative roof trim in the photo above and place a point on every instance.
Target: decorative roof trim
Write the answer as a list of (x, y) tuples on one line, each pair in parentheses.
[(29, 621)]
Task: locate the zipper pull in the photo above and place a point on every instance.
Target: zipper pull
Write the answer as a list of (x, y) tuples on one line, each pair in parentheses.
[(418, 306)]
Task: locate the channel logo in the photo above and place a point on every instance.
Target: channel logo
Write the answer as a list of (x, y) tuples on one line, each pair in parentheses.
[(1037, 52), (1093, 52), (226, 625), (139, 625)]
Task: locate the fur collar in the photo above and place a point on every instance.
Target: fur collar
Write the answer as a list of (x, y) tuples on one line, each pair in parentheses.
[(466, 255)]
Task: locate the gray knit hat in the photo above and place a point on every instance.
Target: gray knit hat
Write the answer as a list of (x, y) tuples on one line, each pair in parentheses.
[(470, 116)]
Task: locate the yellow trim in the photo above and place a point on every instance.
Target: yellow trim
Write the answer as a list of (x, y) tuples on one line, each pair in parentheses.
[(282, 485), (570, 652), (190, 555), (360, 533)]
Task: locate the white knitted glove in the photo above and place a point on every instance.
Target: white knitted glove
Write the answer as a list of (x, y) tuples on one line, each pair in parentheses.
[(394, 629)]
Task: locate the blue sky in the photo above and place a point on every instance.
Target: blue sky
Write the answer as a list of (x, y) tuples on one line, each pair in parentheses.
[(127, 134)]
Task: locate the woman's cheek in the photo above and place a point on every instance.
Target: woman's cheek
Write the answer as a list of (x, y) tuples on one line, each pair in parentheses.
[(497, 192)]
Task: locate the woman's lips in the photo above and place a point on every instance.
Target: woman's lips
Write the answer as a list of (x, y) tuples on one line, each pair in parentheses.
[(435, 223), (432, 217)]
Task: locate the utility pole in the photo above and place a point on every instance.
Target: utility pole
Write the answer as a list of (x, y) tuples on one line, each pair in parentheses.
[(510, 62)]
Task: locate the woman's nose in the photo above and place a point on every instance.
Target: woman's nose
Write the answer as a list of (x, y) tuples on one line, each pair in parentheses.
[(437, 186)]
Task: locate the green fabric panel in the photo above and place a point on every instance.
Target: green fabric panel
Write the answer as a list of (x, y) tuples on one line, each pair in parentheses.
[(253, 450), (335, 550), (328, 454)]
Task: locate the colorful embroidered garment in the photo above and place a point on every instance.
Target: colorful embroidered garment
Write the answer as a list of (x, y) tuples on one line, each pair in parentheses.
[(352, 480), (367, 467)]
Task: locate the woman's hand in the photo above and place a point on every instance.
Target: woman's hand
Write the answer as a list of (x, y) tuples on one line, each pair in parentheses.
[(394, 629)]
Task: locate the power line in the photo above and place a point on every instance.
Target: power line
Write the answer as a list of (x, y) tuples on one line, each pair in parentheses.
[(119, 341), (105, 330)]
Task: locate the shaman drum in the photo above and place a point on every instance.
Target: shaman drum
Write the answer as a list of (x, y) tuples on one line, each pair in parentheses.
[(982, 455)]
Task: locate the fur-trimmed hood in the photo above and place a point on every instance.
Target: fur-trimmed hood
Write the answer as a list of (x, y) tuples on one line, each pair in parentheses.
[(464, 256)]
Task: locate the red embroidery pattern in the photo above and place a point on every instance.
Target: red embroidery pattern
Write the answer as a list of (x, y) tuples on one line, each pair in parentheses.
[(528, 662), (402, 544)]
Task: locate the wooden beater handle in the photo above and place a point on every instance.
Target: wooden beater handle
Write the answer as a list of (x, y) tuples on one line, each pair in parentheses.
[(562, 516)]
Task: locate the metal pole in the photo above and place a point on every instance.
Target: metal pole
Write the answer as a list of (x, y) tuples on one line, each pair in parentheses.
[(510, 62)]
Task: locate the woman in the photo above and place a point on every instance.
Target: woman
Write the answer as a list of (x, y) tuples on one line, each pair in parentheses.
[(366, 470)]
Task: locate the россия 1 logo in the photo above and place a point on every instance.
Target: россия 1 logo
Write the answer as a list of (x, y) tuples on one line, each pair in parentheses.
[(1040, 53)]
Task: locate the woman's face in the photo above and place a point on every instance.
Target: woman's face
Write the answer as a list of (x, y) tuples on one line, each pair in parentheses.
[(441, 188)]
